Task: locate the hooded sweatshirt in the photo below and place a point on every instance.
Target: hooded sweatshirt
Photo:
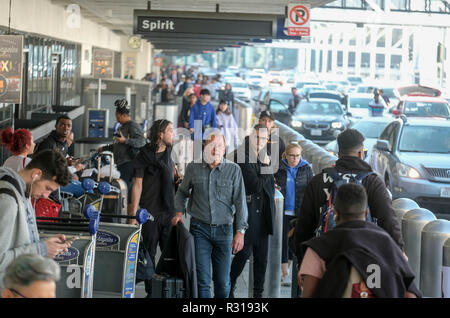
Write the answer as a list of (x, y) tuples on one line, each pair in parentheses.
[(289, 200), (18, 230)]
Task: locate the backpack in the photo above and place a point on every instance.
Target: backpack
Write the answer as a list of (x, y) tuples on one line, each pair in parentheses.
[(326, 221)]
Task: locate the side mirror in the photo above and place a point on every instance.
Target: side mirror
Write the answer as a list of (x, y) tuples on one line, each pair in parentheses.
[(396, 112), (383, 145), (349, 114)]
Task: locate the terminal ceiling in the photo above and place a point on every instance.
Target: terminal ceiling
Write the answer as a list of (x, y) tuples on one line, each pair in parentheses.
[(117, 15)]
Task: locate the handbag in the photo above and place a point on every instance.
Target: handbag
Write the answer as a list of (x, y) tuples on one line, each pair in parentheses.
[(145, 268)]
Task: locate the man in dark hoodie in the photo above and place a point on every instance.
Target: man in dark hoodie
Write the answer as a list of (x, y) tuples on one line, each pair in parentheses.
[(154, 187), (351, 161), (259, 182), (357, 259)]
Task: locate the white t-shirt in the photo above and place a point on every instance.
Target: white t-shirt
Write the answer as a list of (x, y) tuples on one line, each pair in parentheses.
[(17, 163)]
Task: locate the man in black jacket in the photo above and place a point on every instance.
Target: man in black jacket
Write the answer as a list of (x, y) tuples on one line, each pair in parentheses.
[(351, 161), (357, 258), (154, 187), (276, 146), (59, 140), (260, 190)]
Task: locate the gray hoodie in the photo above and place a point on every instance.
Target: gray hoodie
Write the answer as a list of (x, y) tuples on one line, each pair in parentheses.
[(18, 230)]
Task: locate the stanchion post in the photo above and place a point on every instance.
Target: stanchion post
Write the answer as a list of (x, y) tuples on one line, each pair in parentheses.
[(434, 235), (272, 284), (412, 224)]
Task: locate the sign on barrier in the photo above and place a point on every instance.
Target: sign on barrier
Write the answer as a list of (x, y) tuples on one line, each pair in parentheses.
[(130, 267), (446, 281), (107, 239), (71, 254)]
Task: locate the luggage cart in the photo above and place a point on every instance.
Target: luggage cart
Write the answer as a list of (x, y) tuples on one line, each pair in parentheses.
[(77, 264), (116, 258)]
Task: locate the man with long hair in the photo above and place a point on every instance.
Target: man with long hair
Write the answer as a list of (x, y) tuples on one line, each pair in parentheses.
[(154, 187)]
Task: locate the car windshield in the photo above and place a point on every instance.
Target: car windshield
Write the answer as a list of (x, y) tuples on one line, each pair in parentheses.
[(239, 84), (423, 139), (282, 97), (426, 109), (255, 76), (359, 102), (331, 86), (319, 108), (370, 129)]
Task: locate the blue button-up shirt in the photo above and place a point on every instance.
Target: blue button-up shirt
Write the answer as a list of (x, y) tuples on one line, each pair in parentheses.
[(214, 195)]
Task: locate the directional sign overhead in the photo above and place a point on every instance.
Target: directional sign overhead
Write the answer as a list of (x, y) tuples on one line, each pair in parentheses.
[(204, 25), (298, 19)]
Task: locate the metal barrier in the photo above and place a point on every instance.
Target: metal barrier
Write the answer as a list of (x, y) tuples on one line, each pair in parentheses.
[(434, 235), (413, 222), (272, 283), (245, 116)]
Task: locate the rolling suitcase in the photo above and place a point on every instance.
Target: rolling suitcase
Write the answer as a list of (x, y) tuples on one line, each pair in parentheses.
[(113, 203), (164, 286)]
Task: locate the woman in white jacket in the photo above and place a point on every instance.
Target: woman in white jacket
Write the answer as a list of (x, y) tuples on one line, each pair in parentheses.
[(227, 124)]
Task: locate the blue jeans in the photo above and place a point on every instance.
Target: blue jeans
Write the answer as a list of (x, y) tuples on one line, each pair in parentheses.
[(212, 244)]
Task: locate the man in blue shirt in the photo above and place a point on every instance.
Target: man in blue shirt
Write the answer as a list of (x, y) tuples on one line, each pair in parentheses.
[(203, 110)]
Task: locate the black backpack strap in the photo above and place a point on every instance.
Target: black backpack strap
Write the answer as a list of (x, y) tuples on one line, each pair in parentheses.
[(10, 192), (12, 181), (332, 172), (364, 174)]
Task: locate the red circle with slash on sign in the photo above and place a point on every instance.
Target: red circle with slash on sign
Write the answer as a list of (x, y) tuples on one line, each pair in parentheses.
[(296, 17)]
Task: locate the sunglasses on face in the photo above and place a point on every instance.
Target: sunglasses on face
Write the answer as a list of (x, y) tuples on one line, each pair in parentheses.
[(293, 156)]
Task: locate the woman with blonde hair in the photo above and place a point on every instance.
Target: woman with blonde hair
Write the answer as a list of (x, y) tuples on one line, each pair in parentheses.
[(292, 178)]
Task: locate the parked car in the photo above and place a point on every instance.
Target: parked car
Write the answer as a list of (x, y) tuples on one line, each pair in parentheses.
[(241, 89), (358, 105), (304, 82), (311, 88), (257, 80), (371, 128), (319, 119), (355, 80), (421, 101), (412, 156), (327, 94), (277, 100), (276, 77)]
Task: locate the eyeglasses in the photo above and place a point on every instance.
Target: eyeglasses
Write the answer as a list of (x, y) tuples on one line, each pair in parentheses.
[(293, 156), (17, 293)]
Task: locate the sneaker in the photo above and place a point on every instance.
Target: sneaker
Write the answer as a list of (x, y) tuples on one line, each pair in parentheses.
[(285, 281)]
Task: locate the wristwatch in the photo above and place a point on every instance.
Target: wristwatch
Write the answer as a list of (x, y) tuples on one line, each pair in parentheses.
[(242, 231)]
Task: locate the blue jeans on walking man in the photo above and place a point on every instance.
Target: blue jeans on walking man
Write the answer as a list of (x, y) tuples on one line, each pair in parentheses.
[(213, 246)]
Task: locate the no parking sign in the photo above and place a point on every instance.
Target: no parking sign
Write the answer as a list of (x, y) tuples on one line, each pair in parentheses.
[(298, 19)]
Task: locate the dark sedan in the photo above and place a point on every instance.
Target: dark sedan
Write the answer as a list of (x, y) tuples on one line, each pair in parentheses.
[(320, 120)]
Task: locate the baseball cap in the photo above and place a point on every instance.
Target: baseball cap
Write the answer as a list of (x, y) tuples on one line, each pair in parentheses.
[(266, 113)]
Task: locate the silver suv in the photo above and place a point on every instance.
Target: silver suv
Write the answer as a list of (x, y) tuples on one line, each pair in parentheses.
[(413, 158)]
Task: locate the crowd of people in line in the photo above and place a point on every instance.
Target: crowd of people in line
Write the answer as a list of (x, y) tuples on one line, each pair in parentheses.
[(230, 197)]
